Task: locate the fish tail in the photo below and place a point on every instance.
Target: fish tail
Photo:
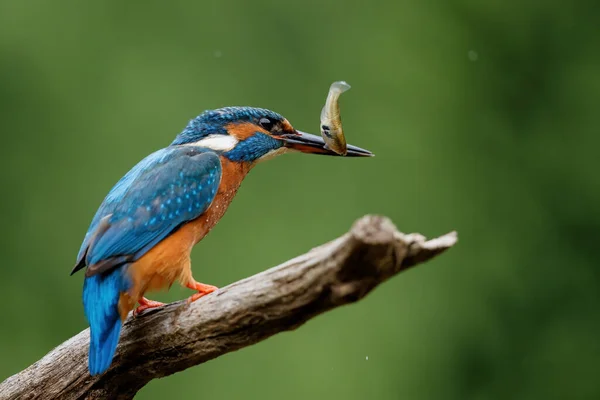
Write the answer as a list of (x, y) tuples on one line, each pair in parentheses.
[(339, 86)]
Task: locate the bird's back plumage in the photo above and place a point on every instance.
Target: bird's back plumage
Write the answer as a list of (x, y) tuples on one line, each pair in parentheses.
[(166, 189)]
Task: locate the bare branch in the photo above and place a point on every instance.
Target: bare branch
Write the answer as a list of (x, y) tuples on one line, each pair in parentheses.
[(164, 341)]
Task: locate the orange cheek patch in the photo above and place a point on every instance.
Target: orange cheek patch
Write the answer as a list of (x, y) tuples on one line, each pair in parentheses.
[(287, 127), (244, 130)]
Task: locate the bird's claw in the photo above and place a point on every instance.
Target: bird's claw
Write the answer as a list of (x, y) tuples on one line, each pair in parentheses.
[(145, 304), (202, 289)]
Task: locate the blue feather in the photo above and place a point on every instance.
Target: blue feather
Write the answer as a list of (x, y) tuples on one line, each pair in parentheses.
[(101, 305), (253, 148), (165, 190)]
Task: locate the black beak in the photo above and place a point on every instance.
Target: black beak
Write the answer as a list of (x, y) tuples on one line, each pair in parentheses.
[(307, 143)]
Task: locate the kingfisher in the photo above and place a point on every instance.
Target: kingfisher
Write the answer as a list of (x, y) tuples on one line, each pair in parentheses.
[(141, 237)]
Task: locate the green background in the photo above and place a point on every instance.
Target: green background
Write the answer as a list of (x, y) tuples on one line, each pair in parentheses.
[(484, 117)]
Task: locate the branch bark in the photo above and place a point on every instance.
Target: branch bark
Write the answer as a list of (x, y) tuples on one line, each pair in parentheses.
[(164, 341)]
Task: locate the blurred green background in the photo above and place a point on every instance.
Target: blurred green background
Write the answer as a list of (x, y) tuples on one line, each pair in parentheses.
[(484, 116)]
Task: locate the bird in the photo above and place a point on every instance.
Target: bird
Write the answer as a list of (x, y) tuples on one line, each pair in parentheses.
[(141, 236)]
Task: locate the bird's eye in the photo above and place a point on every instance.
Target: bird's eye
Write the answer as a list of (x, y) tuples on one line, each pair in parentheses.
[(266, 123)]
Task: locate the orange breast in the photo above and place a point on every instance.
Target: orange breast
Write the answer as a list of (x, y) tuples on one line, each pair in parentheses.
[(169, 260)]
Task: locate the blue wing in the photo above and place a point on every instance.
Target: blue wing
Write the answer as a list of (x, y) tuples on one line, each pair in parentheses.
[(164, 191)]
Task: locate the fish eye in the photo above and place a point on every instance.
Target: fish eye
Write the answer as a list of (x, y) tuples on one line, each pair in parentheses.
[(266, 123)]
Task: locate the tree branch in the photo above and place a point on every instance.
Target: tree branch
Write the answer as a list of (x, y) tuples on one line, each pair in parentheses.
[(164, 341)]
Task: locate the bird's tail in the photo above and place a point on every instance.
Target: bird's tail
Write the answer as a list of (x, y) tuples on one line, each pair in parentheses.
[(101, 294)]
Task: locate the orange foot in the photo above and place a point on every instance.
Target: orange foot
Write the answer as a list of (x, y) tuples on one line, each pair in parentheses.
[(145, 304), (201, 288)]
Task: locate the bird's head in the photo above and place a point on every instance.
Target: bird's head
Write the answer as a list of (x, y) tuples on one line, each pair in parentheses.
[(247, 134)]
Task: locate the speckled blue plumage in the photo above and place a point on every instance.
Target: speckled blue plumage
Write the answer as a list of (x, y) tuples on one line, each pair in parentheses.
[(213, 122), (165, 190)]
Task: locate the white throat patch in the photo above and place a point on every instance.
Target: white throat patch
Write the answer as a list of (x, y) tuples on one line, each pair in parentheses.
[(216, 142)]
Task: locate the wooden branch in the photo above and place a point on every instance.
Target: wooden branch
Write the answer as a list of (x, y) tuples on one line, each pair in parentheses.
[(164, 341)]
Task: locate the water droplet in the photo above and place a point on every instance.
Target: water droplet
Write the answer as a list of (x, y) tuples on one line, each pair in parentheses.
[(473, 56), (367, 358)]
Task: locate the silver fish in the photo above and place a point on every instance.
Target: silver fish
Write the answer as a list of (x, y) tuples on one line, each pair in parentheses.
[(331, 121)]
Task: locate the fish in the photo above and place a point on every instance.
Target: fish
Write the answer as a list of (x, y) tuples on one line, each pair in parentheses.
[(331, 121)]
